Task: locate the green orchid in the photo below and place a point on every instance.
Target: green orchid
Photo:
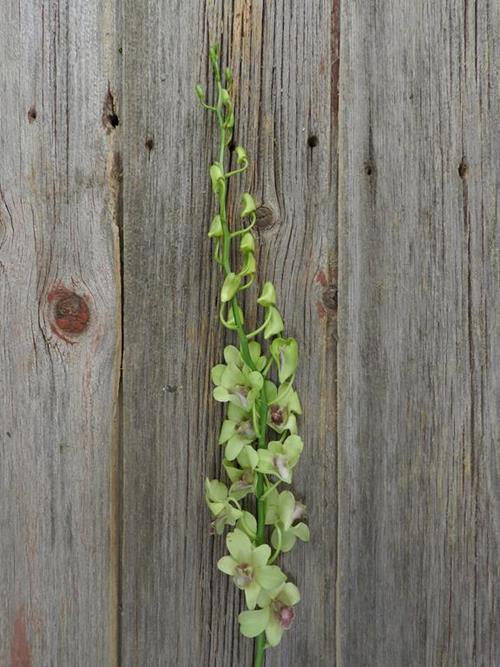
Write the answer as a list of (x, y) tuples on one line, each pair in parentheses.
[(284, 404), (239, 386), (286, 355), (247, 565), (280, 457), (255, 467), (237, 431), (244, 479), (282, 510), (275, 616), (222, 504)]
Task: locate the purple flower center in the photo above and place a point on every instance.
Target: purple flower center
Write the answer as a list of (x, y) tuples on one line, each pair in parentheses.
[(278, 414), (284, 614)]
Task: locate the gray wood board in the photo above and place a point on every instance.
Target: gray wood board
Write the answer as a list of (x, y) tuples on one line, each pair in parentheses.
[(59, 337), (177, 608), (419, 334)]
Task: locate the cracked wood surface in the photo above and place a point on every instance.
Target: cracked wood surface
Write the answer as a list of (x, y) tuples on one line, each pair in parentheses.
[(105, 555)]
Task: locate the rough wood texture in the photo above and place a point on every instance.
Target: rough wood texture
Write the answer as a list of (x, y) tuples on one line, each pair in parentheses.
[(177, 608), (419, 334), (59, 339), (105, 552)]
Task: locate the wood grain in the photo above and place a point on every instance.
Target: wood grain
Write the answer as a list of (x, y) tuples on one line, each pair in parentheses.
[(177, 609), (59, 337), (419, 334)]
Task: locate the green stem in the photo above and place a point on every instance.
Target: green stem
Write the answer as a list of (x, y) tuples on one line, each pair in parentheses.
[(260, 641)]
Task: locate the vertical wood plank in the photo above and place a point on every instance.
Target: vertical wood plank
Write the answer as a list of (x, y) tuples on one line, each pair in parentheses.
[(177, 608), (60, 333), (419, 334)]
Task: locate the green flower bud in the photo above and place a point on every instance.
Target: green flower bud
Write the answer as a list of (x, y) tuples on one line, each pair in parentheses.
[(226, 100), (213, 54), (228, 76), (268, 296), (200, 93), (247, 243), (275, 324), (250, 265), (285, 352), (231, 321), (248, 205), (217, 178), (230, 287), (215, 230), (241, 155)]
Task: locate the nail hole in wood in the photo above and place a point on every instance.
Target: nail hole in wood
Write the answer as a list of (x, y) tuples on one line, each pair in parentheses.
[(369, 168), (149, 143), (113, 120), (463, 169), (312, 141), (110, 118), (31, 114)]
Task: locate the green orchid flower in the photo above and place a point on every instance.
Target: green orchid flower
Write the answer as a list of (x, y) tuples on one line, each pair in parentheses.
[(239, 386), (282, 510), (284, 404), (237, 431), (220, 503), (247, 565), (244, 479), (285, 352), (280, 457), (275, 616)]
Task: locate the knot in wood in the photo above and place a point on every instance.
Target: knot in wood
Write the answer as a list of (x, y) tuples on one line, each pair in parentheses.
[(71, 313), (266, 218), (329, 298)]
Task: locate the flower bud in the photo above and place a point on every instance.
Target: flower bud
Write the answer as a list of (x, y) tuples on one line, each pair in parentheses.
[(200, 93), (226, 99), (268, 295), (250, 266), (231, 321), (248, 205), (215, 230), (275, 324), (247, 243), (217, 178), (230, 287), (241, 155)]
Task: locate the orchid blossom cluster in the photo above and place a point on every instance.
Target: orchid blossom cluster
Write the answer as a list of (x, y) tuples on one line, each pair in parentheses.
[(257, 406)]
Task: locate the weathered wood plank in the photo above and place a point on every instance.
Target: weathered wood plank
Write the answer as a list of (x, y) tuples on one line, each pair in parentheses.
[(60, 335), (177, 609), (419, 334)]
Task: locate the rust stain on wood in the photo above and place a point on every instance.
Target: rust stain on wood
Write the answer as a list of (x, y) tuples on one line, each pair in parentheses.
[(20, 649)]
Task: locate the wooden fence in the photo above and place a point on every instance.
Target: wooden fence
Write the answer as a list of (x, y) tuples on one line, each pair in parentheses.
[(374, 133)]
